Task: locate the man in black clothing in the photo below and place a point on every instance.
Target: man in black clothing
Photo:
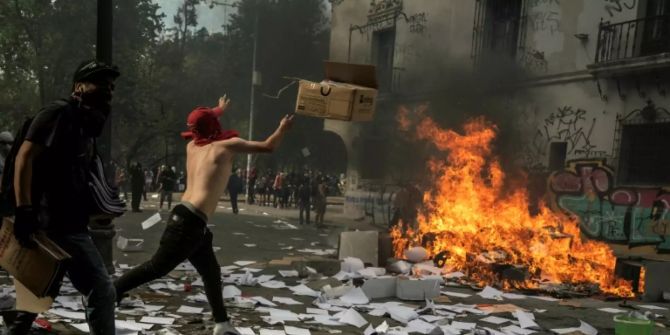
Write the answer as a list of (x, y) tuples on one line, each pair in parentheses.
[(234, 188), (51, 180), (167, 180), (136, 185)]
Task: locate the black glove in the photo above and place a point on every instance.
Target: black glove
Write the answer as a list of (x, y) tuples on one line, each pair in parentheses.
[(25, 225)]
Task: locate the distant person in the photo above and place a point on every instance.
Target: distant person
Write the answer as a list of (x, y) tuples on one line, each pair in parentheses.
[(6, 141), (277, 188), (304, 197), (321, 200), (251, 197), (235, 187), (148, 180), (136, 186), (209, 159), (120, 179), (167, 180)]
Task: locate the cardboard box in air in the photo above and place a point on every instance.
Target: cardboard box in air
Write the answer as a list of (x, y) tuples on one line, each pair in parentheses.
[(40, 269), (349, 93)]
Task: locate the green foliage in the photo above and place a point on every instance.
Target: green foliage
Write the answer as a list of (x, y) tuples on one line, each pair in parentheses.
[(165, 73)]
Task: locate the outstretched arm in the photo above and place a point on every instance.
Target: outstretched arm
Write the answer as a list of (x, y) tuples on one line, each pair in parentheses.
[(239, 145)]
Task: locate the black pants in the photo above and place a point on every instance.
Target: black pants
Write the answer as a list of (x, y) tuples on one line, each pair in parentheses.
[(233, 202), (185, 237), (304, 208)]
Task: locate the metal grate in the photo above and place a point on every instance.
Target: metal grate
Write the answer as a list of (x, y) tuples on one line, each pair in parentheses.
[(634, 38), (644, 155), (498, 29)]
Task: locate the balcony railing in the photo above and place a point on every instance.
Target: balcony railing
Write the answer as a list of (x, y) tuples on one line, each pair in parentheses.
[(631, 39)]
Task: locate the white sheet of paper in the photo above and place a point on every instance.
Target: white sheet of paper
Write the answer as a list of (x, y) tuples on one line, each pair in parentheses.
[(286, 301), (288, 273), (190, 310), (526, 319), (245, 331), (64, 313), (272, 332), (133, 325), (351, 317), (71, 302), (611, 310), (157, 320), (244, 263), (229, 268), (230, 291), (517, 330), (584, 328), (152, 308), (514, 296), (382, 328), (456, 294), (252, 270), (318, 311), (419, 326), (250, 245), (495, 320), (355, 296), (151, 221), (264, 302), (296, 331), (490, 293), (273, 284), (302, 289), (401, 314), (432, 318)]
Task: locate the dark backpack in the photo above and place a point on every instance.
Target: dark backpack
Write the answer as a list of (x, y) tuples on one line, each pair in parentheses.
[(7, 194)]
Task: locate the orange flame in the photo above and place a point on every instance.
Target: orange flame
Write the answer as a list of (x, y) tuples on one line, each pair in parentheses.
[(469, 215)]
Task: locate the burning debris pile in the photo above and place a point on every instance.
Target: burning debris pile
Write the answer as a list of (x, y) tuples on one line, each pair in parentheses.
[(472, 223)]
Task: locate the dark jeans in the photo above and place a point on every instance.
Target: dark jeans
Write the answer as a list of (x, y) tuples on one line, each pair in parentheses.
[(233, 202), (88, 275), (186, 236), (304, 208)]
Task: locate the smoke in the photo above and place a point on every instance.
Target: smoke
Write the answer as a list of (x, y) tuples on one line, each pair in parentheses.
[(454, 92)]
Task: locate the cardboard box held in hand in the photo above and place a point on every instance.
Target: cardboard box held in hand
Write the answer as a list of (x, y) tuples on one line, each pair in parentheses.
[(349, 93), (40, 269)]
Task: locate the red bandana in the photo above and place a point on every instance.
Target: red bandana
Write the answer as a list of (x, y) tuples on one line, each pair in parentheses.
[(204, 127)]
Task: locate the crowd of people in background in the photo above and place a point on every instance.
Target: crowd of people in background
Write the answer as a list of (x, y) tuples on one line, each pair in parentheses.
[(163, 179), (307, 191)]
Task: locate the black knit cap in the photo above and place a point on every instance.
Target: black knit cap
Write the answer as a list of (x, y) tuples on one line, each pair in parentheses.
[(92, 68)]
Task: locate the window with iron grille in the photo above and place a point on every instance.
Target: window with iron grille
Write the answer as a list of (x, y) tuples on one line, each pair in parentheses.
[(644, 156), (656, 32), (497, 28)]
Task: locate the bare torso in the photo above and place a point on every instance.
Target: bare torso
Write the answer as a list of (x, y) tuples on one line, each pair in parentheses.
[(207, 171)]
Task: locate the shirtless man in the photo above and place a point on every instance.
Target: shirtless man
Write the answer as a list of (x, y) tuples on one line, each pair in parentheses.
[(209, 159)]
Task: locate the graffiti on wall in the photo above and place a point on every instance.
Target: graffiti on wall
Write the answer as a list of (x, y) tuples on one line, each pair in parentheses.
[(622, 215), (534, 61), (617, 6), (568, 124), (541, 20)]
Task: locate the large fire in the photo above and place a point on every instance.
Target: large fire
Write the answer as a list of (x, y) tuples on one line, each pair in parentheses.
[(470, 216)]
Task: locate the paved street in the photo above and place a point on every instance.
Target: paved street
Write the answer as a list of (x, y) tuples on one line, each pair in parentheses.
[(273, 240)]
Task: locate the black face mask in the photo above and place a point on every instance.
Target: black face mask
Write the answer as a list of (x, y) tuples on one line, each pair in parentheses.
[(93, 121)]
